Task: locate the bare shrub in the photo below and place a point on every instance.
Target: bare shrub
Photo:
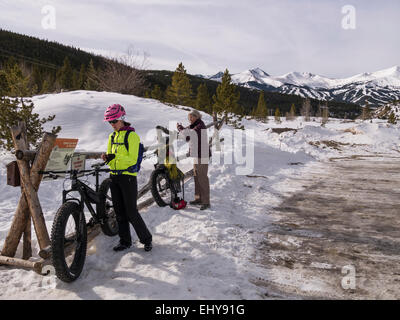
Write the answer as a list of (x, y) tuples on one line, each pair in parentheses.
[(124, 73)]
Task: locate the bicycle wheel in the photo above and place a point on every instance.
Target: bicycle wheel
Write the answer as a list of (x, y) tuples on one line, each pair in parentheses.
[(68, 241), (160, 187), (105, 210)]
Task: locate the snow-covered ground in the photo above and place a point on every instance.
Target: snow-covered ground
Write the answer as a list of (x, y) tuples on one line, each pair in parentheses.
[(196, 254)]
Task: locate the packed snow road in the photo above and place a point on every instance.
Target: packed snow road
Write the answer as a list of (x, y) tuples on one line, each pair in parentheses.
[(339, 237)]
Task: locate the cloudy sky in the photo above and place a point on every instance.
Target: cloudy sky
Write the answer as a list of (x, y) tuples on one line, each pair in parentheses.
[(279, 36)]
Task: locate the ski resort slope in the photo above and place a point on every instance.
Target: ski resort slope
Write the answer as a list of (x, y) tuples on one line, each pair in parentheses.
[(196, 254)]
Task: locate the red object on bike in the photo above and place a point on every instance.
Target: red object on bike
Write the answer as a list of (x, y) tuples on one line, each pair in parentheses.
[(178, 204)]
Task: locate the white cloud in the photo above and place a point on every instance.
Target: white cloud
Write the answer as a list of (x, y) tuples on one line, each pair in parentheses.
[(208, 36)]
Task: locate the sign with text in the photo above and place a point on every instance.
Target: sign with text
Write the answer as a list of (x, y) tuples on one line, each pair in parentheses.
[(60, 156), (78, 162)]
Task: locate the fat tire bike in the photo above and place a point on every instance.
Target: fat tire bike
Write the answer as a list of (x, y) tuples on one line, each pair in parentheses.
[(164, 189), (69, 229)]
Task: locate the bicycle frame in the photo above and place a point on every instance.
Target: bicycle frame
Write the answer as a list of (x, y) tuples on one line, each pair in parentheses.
[(88, 196)]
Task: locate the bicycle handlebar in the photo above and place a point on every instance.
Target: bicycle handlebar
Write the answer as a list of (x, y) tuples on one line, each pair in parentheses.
[(96, 169)]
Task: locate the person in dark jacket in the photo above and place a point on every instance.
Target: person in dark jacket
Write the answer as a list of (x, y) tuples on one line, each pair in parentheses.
[(124, 183), (196, 134)]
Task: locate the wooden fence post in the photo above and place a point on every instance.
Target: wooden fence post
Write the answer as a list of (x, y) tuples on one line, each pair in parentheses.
[(27, 235), (29, 200)]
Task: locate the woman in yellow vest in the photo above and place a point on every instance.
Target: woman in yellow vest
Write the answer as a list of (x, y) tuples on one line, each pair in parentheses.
[(123, 179)]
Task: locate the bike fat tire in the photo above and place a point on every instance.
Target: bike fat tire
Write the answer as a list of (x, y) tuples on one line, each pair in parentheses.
[(63, 271), (156, 176), (106, 211)]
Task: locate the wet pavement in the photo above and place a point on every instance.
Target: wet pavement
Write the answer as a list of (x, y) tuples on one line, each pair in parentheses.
[(339, 237)]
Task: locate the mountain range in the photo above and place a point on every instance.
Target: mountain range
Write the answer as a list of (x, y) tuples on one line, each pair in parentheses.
[(376, 88)]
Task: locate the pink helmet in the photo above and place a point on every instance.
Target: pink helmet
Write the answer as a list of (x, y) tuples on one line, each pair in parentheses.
[(114, 112)]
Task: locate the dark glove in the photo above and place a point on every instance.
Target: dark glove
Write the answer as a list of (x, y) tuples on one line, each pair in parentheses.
[(109, 157), (180, 127)]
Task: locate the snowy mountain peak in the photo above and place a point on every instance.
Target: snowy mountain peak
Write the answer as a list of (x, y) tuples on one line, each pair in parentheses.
[(378, 87), (255, 75), (390, 72), (305, 79), (216, 77), (257, 72)]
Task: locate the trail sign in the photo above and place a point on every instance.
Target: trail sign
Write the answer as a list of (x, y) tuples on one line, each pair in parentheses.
[(78, 162), (60, 156)]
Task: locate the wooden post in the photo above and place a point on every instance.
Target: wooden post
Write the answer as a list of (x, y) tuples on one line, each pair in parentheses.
[(27, 240), (27, 235), (22, 213), (37, 266), (28, 155)]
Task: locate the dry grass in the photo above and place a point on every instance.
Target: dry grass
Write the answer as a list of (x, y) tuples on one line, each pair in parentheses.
[(353, 131)]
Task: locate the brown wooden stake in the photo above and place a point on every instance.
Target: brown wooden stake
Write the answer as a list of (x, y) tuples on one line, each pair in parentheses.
[(37, 265), (29, 191), (28, 155), (27, 236), (27, 240), (22, 213)]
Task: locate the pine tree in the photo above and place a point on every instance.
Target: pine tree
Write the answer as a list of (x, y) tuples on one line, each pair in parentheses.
[(292, 113), (82, 77), (4, 87), (37, 78), (91, 78), (45, 87), (18, 84), (15, 110), (277, 115), (366, 112), (65, 75), (75, 80), (392, 118), (226, 98), (325, 114), (203, 100), (261, 112), (306, 109), (180, 90), (157, 93)]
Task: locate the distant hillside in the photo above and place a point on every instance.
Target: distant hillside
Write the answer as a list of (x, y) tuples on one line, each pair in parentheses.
[(42, 53), (45, 60)]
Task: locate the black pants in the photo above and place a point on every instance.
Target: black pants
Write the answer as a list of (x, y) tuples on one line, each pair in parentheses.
[(124, 197)]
